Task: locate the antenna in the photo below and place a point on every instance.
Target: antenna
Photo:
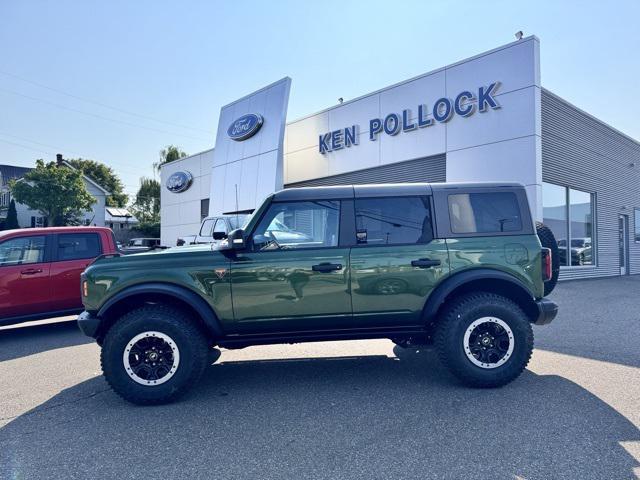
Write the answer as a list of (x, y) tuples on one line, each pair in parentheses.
[(237, 220)]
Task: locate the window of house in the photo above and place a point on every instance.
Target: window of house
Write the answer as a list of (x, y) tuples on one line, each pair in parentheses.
[(486, 212), (569, 214), (388, 221), (22, 251), (636, 223), (75, 246), (292, 225)]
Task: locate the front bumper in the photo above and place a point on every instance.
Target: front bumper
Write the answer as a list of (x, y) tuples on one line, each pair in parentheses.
[(547, 311), (88, 324)]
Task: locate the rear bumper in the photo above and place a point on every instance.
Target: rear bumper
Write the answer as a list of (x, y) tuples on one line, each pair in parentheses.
[(88, 324), (547, 311)]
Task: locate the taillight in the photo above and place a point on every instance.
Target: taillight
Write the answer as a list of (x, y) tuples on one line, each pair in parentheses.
[(85, 288), (546, 264)]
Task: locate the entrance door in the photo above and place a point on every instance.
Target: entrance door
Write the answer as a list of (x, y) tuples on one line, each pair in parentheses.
[(294, 275), (623, 243)]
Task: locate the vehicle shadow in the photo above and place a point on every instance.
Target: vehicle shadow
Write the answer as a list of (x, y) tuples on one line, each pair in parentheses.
[(347, 417), (24, 340)]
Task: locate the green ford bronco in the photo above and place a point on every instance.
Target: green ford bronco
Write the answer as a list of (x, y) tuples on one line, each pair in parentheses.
[(462, 266)]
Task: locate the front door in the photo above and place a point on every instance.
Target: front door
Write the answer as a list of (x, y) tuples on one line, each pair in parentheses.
[(294, 275), (396, 261), (623, 243), (24, 276)]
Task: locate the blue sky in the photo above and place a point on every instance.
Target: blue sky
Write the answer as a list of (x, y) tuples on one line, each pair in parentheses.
[(179, 62)]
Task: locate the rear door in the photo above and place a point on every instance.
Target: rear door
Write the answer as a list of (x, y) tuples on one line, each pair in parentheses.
[(73, 252), (396, 261), (24, 276)]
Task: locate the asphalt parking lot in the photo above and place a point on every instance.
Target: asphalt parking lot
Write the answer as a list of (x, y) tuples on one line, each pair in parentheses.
[(338, 410)]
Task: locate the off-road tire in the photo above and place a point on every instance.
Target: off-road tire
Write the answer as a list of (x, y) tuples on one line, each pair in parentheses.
[(178, 325), (455, 320), (548, 240)]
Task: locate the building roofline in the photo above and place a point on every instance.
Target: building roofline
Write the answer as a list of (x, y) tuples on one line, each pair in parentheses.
[(592, 117), (530, 38)]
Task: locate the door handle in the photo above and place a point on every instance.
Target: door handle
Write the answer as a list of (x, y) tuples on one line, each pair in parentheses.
[(425, 263), (326, 267), (31, 271)]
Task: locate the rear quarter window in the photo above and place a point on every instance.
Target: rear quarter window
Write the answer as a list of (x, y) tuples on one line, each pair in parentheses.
[(484, 212)]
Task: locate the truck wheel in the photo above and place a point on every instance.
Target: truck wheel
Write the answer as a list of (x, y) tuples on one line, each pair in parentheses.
[(484, 339), (153, 354), (548, 240)]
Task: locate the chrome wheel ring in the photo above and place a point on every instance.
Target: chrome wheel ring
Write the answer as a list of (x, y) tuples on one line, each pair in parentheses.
[(488, 342), (151, 358)]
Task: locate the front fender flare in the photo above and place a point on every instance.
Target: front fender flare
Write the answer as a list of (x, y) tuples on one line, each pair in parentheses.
[(202, 308)]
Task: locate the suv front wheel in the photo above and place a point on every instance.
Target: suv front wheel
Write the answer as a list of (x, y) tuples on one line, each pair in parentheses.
[(484, 339), (153, 354)]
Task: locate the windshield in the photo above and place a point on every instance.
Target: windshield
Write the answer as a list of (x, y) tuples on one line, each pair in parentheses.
[(238, 221)]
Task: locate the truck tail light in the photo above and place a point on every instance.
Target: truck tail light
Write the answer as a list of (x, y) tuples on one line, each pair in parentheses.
[(546, 264), (85, 288)]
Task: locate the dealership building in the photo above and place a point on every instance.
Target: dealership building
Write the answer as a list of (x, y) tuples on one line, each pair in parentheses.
[(486, 118)]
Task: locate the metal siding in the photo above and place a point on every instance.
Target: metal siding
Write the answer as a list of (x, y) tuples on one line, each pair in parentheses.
[(428, 169), (581, 152)]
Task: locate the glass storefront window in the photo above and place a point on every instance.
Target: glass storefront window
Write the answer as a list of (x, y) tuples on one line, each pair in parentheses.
[(569, 214)]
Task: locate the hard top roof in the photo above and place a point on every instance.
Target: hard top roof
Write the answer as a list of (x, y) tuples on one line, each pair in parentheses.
[(381, 190)]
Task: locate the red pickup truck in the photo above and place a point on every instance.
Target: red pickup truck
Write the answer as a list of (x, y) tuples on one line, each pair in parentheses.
[(40, 270)]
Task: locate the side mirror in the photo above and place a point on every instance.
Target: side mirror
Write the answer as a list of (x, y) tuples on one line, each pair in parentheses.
[(219, 235), (236, 240)]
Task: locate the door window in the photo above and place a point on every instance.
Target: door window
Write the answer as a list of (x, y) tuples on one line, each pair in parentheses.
[(76, 246), (220, 230), (292, 225), (22, 251), (207, 227), (388, 221)]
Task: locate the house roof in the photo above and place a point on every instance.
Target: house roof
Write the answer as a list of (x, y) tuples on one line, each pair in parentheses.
[(113, 214), (92, 182), (10, 172)]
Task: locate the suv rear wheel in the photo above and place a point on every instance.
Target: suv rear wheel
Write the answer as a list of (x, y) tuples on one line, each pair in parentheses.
[(153, 354), (484, 339)]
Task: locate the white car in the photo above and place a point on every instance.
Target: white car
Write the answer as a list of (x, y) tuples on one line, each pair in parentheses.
[(216, 229)]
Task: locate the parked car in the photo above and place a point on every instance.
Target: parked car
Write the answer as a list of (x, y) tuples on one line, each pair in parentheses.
[(581, 251), (137, 245), (186, 240), (40, 270), (216, 229), (462, 266)]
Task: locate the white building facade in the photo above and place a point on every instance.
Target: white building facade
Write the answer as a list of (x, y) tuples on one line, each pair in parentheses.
[(486, 118)]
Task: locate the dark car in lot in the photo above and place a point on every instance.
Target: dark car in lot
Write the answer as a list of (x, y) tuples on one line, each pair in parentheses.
[(137, 245), (461, 265), (40, 269)]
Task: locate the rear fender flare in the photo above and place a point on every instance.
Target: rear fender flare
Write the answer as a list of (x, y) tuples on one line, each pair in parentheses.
[(457, 280)]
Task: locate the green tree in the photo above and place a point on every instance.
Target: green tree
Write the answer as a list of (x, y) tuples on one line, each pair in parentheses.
[(58, 193), (105, 177), (146, 207), (169, 154), (12, 217)]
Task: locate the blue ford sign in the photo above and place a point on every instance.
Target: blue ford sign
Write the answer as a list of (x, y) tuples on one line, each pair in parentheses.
[(465, 104), (245, 127), (179, 182)]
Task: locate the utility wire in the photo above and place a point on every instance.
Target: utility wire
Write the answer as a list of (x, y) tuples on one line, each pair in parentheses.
[(95, 115), (117, 109)]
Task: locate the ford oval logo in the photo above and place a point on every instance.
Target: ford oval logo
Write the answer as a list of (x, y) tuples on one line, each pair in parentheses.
[(179, 182), (244, 127)]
